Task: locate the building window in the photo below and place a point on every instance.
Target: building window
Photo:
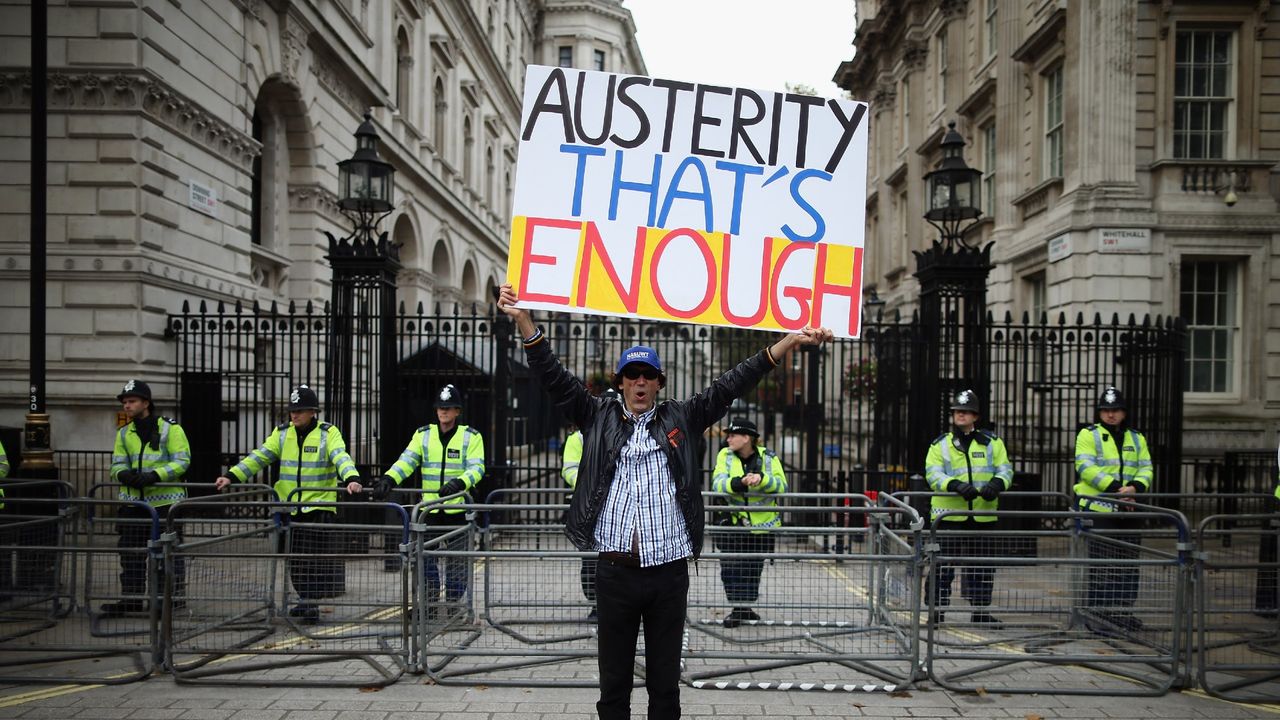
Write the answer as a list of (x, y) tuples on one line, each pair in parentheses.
[(1203, 93), (1209, 298), (1037, 295), (904, 231), (942, 69), (404, 67), (989, 29), (439, 112), (255, 184), (904, 114), (468, 149), (989, 170), (1053, 123), (566, 56), (597, 60)]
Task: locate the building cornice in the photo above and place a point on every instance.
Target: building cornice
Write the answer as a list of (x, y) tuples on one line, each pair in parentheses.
[(104, 91)]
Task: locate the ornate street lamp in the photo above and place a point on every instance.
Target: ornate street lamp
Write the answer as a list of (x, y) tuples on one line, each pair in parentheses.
[(953, 191), (365, 184)]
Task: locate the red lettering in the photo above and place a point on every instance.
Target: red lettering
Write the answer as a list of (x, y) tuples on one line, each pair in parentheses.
[(799, 294), (853, 290), (530, 258), (745, 320), (595, 246), (708, 294)]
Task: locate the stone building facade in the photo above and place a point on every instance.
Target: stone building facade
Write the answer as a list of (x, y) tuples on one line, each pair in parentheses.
[(193, 152), (1129, 155)]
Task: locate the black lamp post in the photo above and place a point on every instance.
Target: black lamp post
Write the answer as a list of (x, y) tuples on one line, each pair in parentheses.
[(363, 310), (953, 191), (953, 298)]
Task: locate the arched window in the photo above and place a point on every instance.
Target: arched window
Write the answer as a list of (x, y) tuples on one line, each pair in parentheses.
[(490, 177), (255, 196), (438, 117)]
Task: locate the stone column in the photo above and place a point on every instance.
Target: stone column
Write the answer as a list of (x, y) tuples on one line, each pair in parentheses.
[(1103, 93)]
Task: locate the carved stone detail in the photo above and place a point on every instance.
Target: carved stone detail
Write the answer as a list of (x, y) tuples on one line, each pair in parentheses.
[(293, 43), (332, 77), (88, 91), (315, 198), (952, 8), (915, 54)]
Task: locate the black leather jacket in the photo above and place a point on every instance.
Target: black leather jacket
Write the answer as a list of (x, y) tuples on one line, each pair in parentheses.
[(677, 426)]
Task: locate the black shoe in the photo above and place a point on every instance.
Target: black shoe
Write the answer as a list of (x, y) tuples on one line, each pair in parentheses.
[(305, 613), (751, 615), (985, 618), (122, 608), (937, 617), (593, 616), (738, 616), (391, 565), (1266, 614), (1126, 621)]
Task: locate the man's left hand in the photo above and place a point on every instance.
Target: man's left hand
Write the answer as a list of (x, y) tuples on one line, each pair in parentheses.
[(354, 487)]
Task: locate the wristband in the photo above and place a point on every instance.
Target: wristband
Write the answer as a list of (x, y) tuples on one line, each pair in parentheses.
[(534, 339)]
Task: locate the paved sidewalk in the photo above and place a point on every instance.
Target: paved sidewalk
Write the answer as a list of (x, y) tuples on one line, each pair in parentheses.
[(159, 698)]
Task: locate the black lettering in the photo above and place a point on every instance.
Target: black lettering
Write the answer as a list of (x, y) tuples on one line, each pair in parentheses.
[(802, 130), (742, 122), (673, 87), (608, 111), (554, 80), (775, 129), (699, 119), (643, 133), (848, 127)]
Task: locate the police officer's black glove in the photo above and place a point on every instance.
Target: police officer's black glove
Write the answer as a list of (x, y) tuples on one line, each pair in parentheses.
[(992, 489), (963, 489), (147, 477), (382, 488), (127, 477), (737, 485), (453, 487)]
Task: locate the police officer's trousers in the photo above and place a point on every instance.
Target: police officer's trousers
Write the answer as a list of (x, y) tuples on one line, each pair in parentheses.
[(965, 538), (134, 528), (741, 576), (1112, 586), (455, 568), (314, 578)]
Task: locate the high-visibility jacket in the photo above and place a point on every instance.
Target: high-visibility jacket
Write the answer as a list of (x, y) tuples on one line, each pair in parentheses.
[(773, 482), (947, 460), (572, 458), (1277, 474), (1102, 467), (322, 461), (463, 458), (169, 462), (4, 472)]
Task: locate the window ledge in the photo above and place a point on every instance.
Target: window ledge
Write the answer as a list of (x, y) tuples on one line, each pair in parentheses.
[(1039, 198)]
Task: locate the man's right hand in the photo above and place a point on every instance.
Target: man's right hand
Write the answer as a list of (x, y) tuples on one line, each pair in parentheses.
[(507, 303), (382, 488), (963, 489), (221, 483)]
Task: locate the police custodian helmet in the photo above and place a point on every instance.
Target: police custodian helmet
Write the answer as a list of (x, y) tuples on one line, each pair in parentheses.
[(965, 400), (1111, 399), (449, 397), (135, 388), (303, 398)]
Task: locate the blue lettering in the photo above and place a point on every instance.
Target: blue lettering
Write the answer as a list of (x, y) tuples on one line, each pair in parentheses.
[(740, 173), (674, 192), (650, 187), (582, 151), (820, 225)]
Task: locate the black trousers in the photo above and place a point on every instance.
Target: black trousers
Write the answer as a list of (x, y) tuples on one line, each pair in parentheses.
[(965, 538), (1268, 578), (624, 597), (455, 568), (134, 528), (315, 578), (741, 576), (1112, 586)]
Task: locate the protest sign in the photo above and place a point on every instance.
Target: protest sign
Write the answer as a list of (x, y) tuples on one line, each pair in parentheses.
[(669, 200)]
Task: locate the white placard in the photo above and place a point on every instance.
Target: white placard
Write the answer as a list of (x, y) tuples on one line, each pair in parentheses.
[(1124, 240), (1060, 247), (202, 198)]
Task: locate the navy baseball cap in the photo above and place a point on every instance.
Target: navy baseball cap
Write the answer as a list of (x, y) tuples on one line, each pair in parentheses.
[(642, 354)]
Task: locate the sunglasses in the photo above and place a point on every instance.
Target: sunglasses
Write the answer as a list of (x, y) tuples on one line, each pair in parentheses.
[(632, 372)]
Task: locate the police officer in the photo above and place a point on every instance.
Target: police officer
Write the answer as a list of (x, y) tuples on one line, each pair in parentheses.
[(1114, 459), (451, 457), (754, 477), (971, 467), (312, 456), (1268, 582), (150, 457), (569, 471)]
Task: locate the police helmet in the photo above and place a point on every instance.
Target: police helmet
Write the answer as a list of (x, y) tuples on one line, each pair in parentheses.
[(303, 398), (965, 400), (450, 397), (135, 388), (742, 426), (1111, 399)]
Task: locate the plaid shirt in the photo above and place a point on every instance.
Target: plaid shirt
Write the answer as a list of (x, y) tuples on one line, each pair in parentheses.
[(643, 496)]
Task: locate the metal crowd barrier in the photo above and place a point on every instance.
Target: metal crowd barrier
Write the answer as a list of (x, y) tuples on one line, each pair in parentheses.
[(1107, 592), (61, 565), (283, 599)]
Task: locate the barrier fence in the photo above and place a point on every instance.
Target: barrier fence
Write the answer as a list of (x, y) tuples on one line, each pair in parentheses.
[(243, 588)]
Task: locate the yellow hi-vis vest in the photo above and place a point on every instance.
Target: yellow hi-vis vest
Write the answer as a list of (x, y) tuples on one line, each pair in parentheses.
[(773, 481), (322, 461), (572, 458), (946, 461), (170, 462), (463, 458), (1100, 464), (4, 472)]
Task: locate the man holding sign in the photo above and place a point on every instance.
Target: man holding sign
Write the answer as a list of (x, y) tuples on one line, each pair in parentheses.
[(638, 502)]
